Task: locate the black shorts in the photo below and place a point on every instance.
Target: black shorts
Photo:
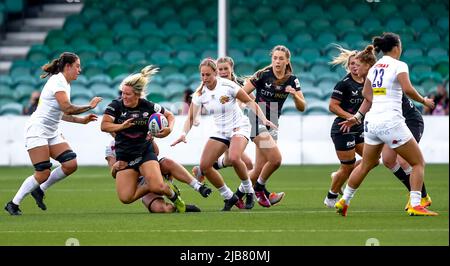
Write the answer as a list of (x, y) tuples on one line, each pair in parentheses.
[(135, 163), (258, 128), (416, 129), (347, 141)]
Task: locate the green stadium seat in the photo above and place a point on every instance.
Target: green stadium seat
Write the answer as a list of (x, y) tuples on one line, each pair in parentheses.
[(269, 27), (361, 10), (11, 109), (442, 24), (311, 12), (317, 108), (195, 26), (385, 10), (244, 68), (80, 93), (188, 13), (325, 38), (295, 25), (93, 68), (117, 68), (336, 10), (437, 9), (100, 78), (164, 13), (371, 23), (319, 24), (6, 80), (25, 79), (310, 92), (39, 54), (395, 24), (136, 56), (429, 39), (420, 24), (112, 56), (277, 39), (310, 54), (104, 91), (98, 27), (13, 6), (157, 97)]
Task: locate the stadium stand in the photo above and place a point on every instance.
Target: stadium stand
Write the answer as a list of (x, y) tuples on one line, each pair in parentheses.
[(114, 38)]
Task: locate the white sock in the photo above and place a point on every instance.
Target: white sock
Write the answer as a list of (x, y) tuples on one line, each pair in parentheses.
[(415, 197), (220, 162), (408, 170), (348, 193), (27, 186), (226, 192), (261, 181), (56, 175), (395, 168), (247, 186), (195, 184)]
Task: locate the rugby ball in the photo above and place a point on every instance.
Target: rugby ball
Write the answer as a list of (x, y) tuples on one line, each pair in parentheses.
[(156, 122)]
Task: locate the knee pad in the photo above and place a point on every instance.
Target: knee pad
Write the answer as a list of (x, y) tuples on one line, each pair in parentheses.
[(66, 156), (352, 161), (42, 166)]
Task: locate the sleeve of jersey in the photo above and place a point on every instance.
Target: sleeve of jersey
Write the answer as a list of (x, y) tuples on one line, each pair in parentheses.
[(196, 99), (157, 108), (295, 83), (235, 89), (58, 85), (255, 80), (112, 109), (338, 91), (402, 67)]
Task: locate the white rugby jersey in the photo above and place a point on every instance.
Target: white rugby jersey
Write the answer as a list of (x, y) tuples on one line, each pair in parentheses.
[(221, 103), (387, 92), (48, 112)]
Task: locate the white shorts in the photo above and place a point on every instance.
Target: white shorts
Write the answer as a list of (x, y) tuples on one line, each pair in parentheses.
[(243, 130), (36, 136), (33, 142), (110, 150), (394, 137)]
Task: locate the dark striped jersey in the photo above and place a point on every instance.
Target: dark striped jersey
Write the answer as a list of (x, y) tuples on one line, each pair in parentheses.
[(271, 92), (131, 142), (349, 93)]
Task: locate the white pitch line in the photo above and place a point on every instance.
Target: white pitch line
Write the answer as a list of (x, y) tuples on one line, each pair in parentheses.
[(230, 231)]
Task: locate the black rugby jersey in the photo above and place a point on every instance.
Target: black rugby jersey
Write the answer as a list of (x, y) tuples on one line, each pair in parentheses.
[(131, 142), (410, 111), (270, 92), (349, 93)]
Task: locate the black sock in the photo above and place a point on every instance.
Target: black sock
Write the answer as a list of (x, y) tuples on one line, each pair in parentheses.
[(403, 177), (331, 195), (216, 166), (259, 187), (174, 198), (424, 191), (266, 192), (239, 193)]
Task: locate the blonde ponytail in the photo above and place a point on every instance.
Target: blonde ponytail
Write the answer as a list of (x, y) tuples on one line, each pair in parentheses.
[(140, 80)]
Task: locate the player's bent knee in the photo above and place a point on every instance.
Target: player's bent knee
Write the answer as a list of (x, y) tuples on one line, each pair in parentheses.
[(66, 156), (69, 167), (42, 166)]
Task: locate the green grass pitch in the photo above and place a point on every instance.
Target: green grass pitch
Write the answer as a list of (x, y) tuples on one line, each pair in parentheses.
[(85, 206)]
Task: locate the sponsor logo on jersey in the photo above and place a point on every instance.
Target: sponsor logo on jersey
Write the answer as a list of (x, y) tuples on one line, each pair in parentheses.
[(267, 85), (379, 91), (224, 99), (297, 83), (354, 93), (157, 108)]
